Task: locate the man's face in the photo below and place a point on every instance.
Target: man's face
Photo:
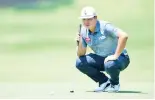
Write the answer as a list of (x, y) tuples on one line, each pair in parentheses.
[(89, 22)]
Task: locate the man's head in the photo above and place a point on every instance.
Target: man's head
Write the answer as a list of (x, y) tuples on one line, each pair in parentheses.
[(89, 17)]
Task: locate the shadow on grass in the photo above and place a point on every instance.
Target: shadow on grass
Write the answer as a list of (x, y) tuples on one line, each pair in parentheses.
[(131, 92), (136, 92)]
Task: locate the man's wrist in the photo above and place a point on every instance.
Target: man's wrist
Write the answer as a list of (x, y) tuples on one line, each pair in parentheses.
[(116, 55)]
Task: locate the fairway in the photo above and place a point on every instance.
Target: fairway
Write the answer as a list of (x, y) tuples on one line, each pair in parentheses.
[(81, 91), (38, 51)]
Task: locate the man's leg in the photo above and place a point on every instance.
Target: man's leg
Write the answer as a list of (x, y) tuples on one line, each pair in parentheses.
[(91, 65), (113, 68)]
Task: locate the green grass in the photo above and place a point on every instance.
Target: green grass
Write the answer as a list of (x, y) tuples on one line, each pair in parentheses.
[(38, 46)]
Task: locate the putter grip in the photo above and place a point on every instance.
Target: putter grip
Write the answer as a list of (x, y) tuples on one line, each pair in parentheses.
[(79, 31)]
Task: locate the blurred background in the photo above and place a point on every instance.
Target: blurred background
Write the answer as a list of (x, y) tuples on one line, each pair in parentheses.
[(37, 39)]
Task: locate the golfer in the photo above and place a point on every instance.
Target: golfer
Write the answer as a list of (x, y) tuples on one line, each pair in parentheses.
[(108, 44)]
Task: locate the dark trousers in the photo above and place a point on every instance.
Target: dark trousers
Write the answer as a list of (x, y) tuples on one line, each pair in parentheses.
[(92, 65)]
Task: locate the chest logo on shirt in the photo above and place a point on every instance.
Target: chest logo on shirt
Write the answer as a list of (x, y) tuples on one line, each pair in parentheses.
[(87, 39), (102, 37)]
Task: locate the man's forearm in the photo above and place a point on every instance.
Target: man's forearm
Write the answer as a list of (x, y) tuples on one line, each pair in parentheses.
[(121, 45), (80, 49)]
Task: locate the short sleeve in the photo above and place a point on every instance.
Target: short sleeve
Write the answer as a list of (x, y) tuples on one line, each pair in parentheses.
[(112, 30)]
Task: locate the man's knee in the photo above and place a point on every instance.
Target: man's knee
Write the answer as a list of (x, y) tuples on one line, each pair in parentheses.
[(84, 61), (111, 66), (80, 62), (84, 66)]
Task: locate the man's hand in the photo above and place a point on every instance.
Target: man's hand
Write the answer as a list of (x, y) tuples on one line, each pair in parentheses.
[(109, 58), (80, 49), (78, 35), (77, 39)]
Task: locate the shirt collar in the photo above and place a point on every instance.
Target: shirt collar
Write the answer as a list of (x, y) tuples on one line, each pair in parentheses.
[(97, 28)]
